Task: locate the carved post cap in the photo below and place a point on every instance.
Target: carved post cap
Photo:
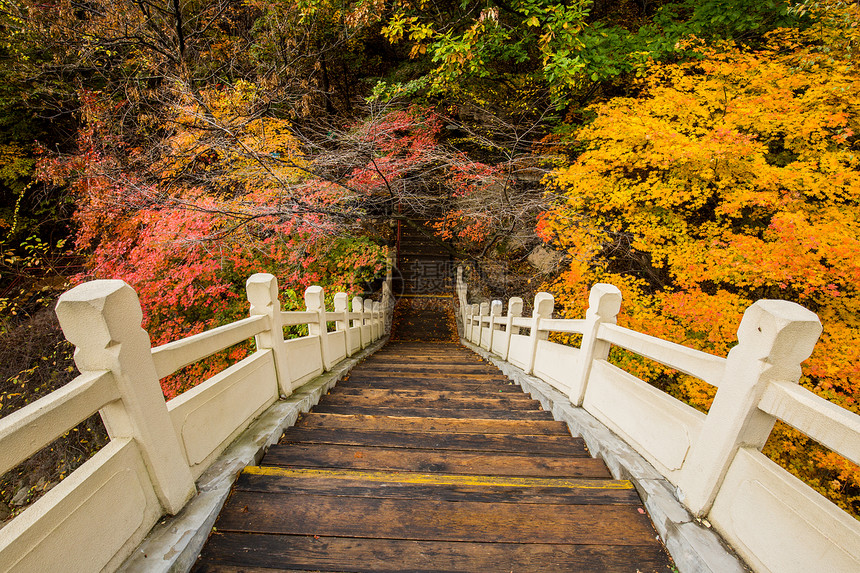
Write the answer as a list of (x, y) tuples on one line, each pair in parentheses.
[(485, 308), (357, 304), (340, 302), (781, 331), (476, 309), (496, 308), (368, 305), (315, 298), (515, 306), (376, 306), (468, 310), (262, 291), (544, 305), (604, 301), (97, 315)]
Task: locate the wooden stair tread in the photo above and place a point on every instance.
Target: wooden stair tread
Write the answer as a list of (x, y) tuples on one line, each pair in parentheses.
[(492, 385), (424, 460), (558, 445), (427, 424), (445, 487), (469, 521), (483, 414), (267, 553), (433, 399)]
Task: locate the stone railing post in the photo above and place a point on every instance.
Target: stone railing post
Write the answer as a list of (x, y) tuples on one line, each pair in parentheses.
[(315, 302), (378, 327), (103, 320), (495, 312), (604, 302), (774, 337), (387, 300), (515, 310), (462, 292), (341, 307), (476, 323), (358, 307), (262, 291), (484, 312), (544, 304), (368, 319), (467, 321)]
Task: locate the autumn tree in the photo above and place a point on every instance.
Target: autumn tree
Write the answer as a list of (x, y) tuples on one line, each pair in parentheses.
[(729, 179)]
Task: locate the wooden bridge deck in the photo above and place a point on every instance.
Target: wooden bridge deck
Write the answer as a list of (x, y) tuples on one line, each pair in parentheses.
[(428, 459)]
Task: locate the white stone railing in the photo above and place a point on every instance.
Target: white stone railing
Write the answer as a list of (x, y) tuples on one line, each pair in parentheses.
[(772, 519), (93, 519)]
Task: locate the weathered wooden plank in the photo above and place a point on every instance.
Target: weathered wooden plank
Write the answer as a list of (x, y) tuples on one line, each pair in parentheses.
[(418, 375), (439, 349), (235, 552), (447, 356), (408, 485), (499, 402), (372, 396), (429, 383), (404, 358), (451, 369), (455, 462), (548, 445), (450, 425), (406, 388), (392, 378), (484, 414), (461, 521)]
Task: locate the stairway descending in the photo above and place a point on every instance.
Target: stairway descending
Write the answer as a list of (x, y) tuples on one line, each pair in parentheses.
[(425, 265), (428, 459)]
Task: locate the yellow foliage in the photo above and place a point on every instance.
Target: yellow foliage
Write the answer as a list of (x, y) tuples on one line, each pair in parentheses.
[(218, 129), (731, 178)]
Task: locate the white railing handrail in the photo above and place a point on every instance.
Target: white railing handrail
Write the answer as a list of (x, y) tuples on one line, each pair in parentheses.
[(174, 355), (39, 423), (297, 317), (563, 325), (713, 460), (688, 360), (156, 449), (830, 425)]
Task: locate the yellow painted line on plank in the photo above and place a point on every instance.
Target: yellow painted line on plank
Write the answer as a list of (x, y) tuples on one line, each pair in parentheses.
[(439, 479)]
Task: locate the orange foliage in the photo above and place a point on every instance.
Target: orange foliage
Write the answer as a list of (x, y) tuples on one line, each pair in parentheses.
[(731, 178)]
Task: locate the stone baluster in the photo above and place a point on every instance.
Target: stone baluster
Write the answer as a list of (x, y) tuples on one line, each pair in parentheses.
[(358, 307), (341, 308), (544, 304), (515, 310), (604, 302), (495, 312), (103, 320), (315, 302), (774, 337), (262, 292)]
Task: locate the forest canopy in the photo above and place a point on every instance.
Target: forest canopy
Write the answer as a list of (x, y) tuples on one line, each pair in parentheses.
[(699, 155)]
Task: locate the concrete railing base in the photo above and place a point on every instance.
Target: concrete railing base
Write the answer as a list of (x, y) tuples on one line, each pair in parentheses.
[(692, 544), (175, 542)]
